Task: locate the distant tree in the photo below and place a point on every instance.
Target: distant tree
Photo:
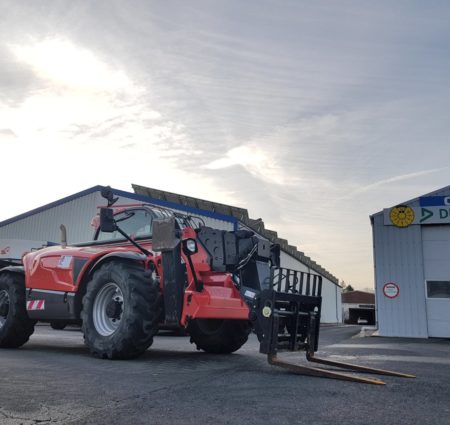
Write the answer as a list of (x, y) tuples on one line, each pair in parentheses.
[(348, 288)]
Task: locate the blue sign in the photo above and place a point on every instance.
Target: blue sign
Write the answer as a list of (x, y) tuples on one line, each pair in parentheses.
[(434, 201)]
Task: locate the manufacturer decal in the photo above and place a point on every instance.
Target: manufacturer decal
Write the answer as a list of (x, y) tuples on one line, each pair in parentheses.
[(402, 216), (35, 305), (249, 294)]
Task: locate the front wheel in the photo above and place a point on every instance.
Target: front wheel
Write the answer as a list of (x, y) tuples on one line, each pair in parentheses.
[(120, 311), (15, 325), (219, 336)]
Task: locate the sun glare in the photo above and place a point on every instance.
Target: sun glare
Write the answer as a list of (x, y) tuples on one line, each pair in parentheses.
[(66, 64)]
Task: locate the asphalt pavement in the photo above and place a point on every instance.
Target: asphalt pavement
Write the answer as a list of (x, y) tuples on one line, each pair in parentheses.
[(54, 380)]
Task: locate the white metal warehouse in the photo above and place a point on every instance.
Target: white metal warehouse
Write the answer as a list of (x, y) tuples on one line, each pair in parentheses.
[(412, 267), (76, 212)]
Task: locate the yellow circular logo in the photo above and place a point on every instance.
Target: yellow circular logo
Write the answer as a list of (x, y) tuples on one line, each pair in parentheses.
[(401, 216)]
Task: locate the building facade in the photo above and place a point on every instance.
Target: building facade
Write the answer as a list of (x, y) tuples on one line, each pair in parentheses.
[(358, 307), (412, 267)]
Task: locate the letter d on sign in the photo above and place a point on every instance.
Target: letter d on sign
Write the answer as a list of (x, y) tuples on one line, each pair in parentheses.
[(443, 213)]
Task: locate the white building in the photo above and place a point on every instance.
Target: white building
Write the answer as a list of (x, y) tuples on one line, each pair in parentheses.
[(358, 307), (77, 211), (412, 267)]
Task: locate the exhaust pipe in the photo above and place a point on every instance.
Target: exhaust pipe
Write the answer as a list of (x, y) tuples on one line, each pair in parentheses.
[(63, 236)]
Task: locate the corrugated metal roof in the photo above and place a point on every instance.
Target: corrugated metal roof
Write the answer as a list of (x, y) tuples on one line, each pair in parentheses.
[(51, 205), (242, 215), (358, 297)]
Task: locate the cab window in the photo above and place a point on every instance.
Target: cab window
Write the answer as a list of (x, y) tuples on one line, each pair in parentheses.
[(135, 223)]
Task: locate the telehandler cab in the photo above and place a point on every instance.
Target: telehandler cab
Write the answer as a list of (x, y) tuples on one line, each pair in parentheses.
[(150, 267)]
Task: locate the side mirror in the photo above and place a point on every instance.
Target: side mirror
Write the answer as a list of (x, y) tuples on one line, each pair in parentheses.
[(107, 223)]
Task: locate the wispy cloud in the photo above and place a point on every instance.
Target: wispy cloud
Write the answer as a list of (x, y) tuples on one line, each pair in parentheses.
[(7, 134), (85, 100), (390, 180), (253, 159)]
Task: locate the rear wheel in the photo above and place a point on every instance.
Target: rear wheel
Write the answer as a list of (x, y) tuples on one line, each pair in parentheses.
[(120, 311), (15, 325), (219, 336)]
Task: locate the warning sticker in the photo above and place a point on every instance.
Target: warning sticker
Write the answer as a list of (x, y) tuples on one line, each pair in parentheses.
[(391, 290), (36, 305)]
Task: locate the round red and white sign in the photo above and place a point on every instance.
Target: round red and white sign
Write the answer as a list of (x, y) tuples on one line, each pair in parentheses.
[(391, 290)]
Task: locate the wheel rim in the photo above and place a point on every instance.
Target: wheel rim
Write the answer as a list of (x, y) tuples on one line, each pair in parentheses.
[(4, 306), (108, 309)]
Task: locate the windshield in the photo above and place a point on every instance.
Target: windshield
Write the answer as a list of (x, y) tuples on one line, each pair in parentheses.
[(135, 223)]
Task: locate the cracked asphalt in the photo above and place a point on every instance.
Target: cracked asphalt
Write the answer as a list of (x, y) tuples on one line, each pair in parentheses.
[(54, 380)]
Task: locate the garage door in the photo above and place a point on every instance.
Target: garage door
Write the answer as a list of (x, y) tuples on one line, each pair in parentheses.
[(436, 255)]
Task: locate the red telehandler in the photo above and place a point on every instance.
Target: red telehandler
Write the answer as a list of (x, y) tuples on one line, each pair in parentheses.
[(149, 267)]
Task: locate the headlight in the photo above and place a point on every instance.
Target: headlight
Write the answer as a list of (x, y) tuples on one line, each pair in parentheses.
[(190, 246)]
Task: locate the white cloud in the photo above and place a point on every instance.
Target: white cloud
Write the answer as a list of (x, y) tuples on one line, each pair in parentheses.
[(77, 89), (89, 124), (83, 99), (254, 159)]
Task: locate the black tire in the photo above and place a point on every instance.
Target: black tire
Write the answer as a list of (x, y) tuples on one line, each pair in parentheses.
[(58, 325), (122, 328), (219, 336), (15, 325)]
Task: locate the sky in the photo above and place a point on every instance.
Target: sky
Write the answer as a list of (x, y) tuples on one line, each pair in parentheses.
[(312, 115)]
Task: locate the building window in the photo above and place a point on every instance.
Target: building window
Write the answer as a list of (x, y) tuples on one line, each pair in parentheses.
[(438, 289)]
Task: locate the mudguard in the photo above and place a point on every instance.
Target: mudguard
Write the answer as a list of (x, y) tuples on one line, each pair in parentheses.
[(13, 269), (133, 256)]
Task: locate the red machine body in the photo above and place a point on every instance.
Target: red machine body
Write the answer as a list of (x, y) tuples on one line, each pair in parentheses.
[(57, 275)]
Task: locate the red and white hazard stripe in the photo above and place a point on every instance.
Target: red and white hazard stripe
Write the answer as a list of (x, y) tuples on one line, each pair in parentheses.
[(36, 305)]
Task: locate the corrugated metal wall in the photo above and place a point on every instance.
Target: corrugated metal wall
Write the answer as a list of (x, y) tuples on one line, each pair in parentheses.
[(76, 215), (331, 293), (331, 302), (398, 258)]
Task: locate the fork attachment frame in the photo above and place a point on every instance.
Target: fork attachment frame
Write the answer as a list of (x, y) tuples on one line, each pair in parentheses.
[(287, 318)]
